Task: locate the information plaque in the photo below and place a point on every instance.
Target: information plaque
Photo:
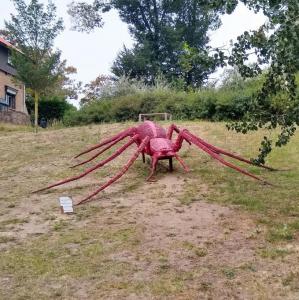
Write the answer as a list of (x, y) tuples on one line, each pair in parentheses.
[(66, 204)]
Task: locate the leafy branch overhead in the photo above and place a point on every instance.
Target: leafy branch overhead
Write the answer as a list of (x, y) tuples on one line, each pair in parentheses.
[(276, 45)]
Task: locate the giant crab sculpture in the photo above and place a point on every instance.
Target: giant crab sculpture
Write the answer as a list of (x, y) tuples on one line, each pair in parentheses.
[(153, 140)]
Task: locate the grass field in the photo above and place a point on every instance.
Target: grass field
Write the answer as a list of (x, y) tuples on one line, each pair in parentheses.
[(211, 233)]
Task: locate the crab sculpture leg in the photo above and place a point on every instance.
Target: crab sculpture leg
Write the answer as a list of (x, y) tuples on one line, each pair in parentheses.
[(154, 141), (97, 166), (214, 153), (121, 173)]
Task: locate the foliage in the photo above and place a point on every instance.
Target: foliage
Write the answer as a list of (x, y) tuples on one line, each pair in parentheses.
[(164, 32), (95, 89), (33, 30), (65, 86), (50, 108), (126, 99), (37, 77), (106, 87), (196, 64), (86, 17), (275, 44), (123, 100)]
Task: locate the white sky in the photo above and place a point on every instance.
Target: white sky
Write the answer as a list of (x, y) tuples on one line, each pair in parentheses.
[(92, 54)]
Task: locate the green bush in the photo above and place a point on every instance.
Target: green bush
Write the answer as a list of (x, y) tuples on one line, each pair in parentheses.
[(228, 102), (209, 105), (50, 108)]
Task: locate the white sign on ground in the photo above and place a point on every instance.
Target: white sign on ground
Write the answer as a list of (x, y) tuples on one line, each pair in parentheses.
[(66, 204)]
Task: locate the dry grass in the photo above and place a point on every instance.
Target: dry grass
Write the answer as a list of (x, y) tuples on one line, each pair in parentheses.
[(208, 234)]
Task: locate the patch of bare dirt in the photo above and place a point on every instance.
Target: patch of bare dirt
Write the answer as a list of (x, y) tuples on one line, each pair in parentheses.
[(219, 244)]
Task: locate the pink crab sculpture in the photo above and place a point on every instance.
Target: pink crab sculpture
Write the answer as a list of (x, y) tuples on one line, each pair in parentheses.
[(153, 140)]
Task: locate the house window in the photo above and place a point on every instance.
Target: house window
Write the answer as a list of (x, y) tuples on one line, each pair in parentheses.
[(9, 58), (10, 97)]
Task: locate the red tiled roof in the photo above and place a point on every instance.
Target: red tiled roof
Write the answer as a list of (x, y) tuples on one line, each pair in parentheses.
[(6, 43)]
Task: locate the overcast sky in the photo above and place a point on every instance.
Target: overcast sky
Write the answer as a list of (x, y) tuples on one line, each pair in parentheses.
[(92, 54)]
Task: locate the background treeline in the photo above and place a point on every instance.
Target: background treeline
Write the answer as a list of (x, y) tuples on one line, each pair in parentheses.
[(207, 104), (126, 99), (107, 100)]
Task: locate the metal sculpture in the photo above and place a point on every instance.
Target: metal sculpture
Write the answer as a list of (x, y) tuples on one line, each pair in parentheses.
[(153, 140)]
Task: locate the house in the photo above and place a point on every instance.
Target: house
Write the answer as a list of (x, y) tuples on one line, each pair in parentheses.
[(12, 95)]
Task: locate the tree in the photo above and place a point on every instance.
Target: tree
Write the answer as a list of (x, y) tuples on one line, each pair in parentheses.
[(65, 87), (161, 30), (95, 89), (276, 45), (33, 30)]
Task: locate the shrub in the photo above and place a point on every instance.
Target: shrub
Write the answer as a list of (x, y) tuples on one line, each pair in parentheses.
[(50, 108), (228, 102)]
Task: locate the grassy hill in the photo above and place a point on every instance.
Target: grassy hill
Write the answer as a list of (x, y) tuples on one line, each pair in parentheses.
[(209, 234)]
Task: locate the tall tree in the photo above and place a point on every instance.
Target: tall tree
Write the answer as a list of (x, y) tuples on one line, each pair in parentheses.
[(33, 30), (160, 29)]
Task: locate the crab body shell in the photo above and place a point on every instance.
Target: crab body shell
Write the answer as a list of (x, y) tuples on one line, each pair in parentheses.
[(159, 145)]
